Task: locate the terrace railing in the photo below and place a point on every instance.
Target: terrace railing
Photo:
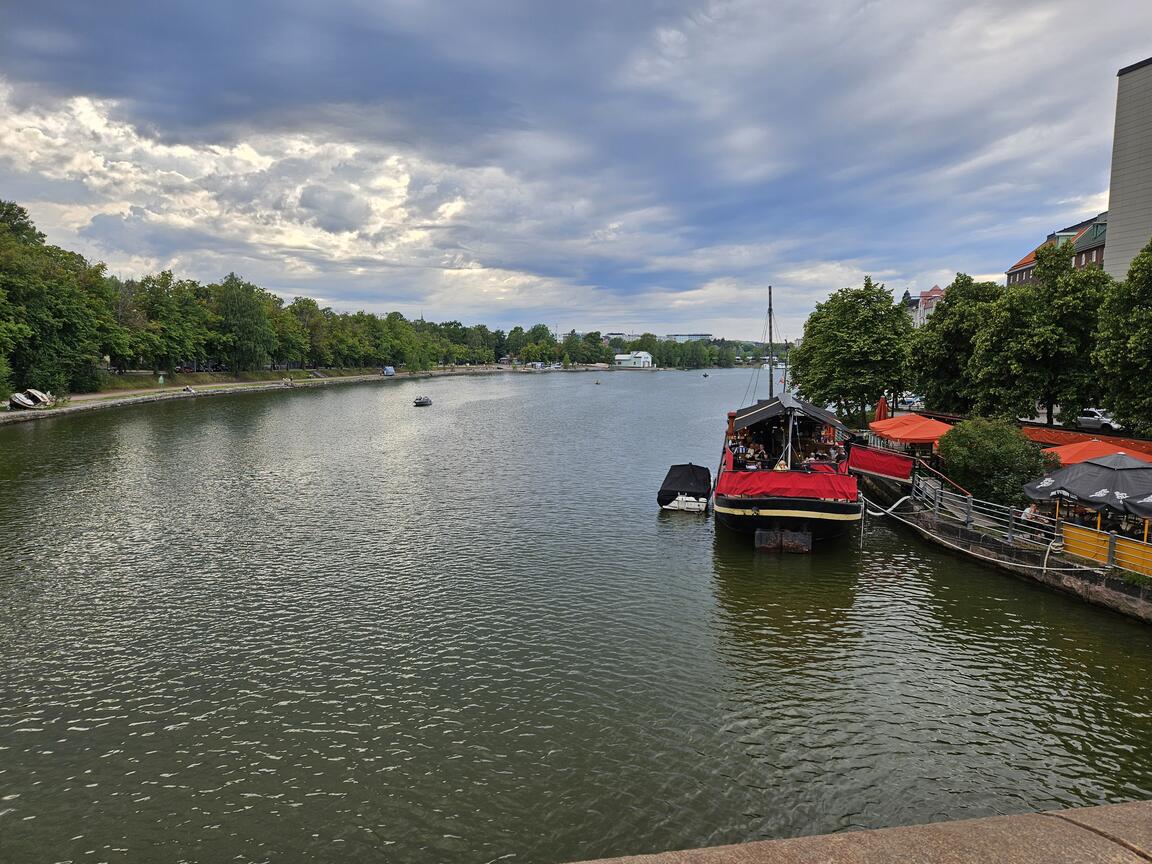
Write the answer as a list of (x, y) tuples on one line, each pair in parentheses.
[(1010, 525)]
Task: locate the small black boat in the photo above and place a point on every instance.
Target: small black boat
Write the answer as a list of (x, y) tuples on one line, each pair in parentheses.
[(422, 401), (686, 487)]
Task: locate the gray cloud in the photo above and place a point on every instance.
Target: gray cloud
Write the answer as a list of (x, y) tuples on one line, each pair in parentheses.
[(654, 161)]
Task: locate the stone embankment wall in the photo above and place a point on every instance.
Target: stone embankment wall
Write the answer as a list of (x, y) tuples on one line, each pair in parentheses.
[(1116, 834)]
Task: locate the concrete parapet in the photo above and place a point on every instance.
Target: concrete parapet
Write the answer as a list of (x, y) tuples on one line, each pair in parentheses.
[(1116, 834)]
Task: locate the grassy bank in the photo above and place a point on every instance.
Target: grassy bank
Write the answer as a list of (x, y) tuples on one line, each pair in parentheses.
[(110, 383)]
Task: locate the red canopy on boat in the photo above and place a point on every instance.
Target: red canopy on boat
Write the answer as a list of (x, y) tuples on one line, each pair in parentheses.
[(910, 429), (1079, 451), (788, 484)]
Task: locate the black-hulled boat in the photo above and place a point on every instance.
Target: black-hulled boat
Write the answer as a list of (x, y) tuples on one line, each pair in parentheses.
[(422, 401), (782, 474), (685, 487)]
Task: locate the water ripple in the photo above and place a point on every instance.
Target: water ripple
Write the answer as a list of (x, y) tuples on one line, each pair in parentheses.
[(320, 626)]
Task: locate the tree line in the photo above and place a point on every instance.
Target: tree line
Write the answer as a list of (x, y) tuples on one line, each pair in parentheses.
[(63, 320), (1069, 338)]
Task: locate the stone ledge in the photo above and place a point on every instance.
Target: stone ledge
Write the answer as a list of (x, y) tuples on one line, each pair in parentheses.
[(1115, 834)]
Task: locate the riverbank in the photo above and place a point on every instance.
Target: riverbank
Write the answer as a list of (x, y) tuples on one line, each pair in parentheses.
[(85, 402)]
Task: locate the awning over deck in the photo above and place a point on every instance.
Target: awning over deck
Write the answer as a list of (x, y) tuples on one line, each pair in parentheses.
[(1081, 451), (766, 409), (910, 429)]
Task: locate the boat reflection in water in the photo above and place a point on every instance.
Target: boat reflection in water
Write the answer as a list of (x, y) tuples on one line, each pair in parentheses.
[(783, 475)]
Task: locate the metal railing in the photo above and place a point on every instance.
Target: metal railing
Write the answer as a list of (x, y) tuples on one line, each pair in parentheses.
[(1013, 526), (1006, 523)]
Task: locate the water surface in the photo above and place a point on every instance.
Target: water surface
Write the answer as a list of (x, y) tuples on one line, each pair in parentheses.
[(322, 625)]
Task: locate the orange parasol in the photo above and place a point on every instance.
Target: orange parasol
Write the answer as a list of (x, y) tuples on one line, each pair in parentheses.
[(1071, 454)]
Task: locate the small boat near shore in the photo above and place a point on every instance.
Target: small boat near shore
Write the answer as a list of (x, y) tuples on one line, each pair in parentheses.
[(685, 487), (422, 401), (30, 399)]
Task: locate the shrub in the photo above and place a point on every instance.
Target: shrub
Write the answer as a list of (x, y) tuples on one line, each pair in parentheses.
[(992, 459)]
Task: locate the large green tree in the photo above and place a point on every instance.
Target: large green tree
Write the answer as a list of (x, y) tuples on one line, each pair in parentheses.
[(941, 350), (178, 323), (1124, 345), (58, 321), (854, 348), (1037, 342), (247, 337)]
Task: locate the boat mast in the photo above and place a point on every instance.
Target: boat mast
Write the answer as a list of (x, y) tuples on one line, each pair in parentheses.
[(771, 350)]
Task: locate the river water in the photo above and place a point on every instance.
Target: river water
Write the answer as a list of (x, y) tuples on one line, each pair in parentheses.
[(323, 625)]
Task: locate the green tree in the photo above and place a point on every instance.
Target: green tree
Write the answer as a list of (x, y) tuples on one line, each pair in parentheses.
[(992, 459), (16, 225), (248, 339), (540, 334), (854, 348), (572, 346), (179, 326), (59, 321), (516, 341), (1038, 338), (941, 350), (1124, 345), (308, 314), (292, 342)]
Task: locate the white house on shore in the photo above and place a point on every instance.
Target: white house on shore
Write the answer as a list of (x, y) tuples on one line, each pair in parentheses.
[(635, 360)]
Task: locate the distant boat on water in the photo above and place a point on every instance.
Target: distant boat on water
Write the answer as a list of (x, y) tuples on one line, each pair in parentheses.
[(422, 401)]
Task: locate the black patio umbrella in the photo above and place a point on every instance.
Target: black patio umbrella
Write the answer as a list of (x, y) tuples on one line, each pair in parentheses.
[(1118, 482)]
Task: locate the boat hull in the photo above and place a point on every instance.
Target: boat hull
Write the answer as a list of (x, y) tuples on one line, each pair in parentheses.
[(687, 503), (824, 520)]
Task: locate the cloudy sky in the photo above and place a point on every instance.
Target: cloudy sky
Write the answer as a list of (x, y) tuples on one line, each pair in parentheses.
[(627, 165)]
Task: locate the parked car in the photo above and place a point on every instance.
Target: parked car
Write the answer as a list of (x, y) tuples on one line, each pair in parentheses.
[(908, 401), (1096, 418)]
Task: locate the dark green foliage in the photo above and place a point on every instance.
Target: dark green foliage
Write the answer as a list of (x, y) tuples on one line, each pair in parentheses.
[(992, 459), (941, 349), (854, 348), (56, 318), (15, 225), (1037, 341), (1124, 346), (246, 336)]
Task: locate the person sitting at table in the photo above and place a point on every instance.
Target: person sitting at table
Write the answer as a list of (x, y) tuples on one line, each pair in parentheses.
[(1033, 514)]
